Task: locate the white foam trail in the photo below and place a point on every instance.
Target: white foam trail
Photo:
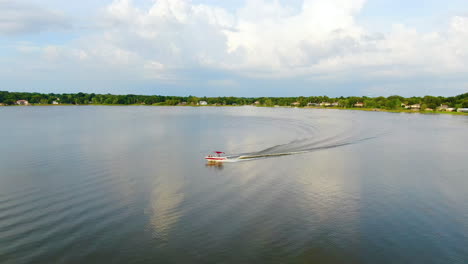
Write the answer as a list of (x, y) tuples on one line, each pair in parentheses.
[(262, 155)]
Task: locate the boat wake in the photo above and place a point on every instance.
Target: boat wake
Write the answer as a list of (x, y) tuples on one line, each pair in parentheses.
[(297, 147), (314, 133)]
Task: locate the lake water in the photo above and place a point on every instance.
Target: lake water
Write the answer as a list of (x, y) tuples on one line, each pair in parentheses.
[(116, 184)]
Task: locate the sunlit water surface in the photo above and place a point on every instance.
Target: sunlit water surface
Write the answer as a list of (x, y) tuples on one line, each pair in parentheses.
[(99, 184)]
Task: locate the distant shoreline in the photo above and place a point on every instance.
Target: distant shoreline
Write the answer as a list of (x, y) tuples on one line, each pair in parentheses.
[(290, 107), (455, 105)]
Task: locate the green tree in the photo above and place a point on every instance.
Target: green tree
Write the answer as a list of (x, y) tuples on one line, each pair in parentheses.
[(269, 102)]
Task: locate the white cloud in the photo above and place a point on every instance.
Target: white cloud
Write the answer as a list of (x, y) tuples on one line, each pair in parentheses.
[(264, 39), (17, 17), (268, 39)]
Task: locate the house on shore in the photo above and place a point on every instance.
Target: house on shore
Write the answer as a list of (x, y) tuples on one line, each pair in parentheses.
[(406, 106), (22, 102), (442, 107), (326, 104), (256, 103), (450, 109), (55, 103), (335, 104), (2, 104), (359, 104), (296, 104), (203, 103), (462, 110), (313, 104), (415, 106)]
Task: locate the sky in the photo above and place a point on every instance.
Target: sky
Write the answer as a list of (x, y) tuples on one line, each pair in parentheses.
[(235, 47)]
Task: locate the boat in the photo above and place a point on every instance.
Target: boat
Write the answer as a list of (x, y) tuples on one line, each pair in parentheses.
[(217, 157)]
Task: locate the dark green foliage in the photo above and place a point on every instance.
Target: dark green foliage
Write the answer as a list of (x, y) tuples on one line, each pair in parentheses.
[(392, 102)]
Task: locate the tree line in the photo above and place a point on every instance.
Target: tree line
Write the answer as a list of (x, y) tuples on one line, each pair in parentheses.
[(391, 102)]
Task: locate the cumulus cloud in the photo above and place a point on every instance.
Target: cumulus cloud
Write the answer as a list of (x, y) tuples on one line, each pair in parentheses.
[(264, 39), (268, 39), (279, 39), (18, 17)]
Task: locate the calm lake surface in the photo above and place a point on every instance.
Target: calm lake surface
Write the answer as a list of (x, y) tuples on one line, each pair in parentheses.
[(116, 184)]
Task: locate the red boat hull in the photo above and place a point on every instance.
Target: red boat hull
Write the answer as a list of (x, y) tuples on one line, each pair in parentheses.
[(215, 158)]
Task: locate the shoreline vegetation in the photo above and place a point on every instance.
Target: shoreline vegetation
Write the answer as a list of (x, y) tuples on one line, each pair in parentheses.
[(428, 104)]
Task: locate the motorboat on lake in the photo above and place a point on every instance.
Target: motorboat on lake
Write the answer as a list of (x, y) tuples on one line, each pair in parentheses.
[(217, 157)]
